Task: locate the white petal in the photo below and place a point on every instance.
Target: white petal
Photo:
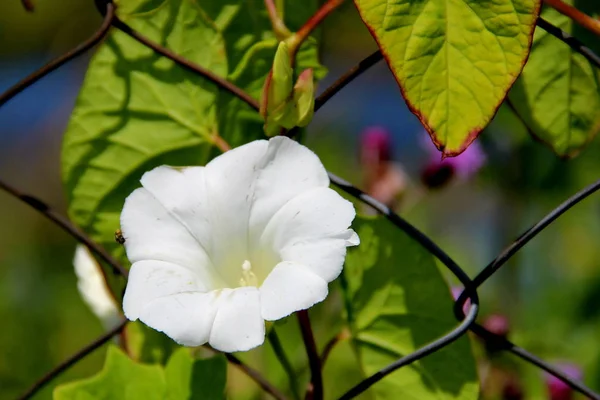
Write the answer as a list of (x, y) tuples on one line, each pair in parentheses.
[(351, 238), (152, 233), (150, 280), (287, 170), (230, 182), (182, 192), (324, 257), (318, 213), (93, 290), (238, 325), (186, 318), (290, 287)]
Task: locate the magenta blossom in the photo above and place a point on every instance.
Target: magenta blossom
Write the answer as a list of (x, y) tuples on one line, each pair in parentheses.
[(375, 145), (497, 324), (383, 179), (557, 389), (438, 171)]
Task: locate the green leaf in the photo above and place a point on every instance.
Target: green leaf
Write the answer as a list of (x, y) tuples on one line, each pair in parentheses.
[(138, 110), (454, 60), (121, 378), (397, 302), (558, 94), (188, 378), (147, 345)]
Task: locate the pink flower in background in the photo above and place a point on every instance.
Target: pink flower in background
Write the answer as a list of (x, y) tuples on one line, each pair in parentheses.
[(498, 324), (438, 171), (383, 179), (375, 146), (557, 389)]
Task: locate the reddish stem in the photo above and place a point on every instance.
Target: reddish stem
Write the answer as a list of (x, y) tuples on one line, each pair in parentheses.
[(589, 23), (281, 31), (343, 335), (312, 23), (315, 388), (221, 143), (255, 376)]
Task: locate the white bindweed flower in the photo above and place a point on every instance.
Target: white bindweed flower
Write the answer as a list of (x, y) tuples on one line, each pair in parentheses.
[(93, 290), (255, 235)]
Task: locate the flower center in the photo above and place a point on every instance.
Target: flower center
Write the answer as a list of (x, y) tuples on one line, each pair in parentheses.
[(248, 277)]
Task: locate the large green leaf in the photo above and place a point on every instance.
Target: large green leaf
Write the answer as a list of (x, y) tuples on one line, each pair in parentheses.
[(146, 345), (183, 378), (453, 59), (121, 378), (188, 378), (138, 110), (397, 302), (558, 94)]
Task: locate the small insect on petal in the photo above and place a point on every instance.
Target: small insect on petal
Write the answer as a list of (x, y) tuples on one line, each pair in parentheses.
[(119, 237)]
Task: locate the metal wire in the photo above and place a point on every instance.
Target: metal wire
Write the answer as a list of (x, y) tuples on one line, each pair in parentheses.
[(466, 322), (89, 349), (470, 289), (432, 347), (570, 40), (66, 225), (65, 58), (523, 239), (503, 343)]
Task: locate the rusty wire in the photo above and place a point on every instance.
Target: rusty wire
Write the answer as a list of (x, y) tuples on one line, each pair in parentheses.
[(467, 322)]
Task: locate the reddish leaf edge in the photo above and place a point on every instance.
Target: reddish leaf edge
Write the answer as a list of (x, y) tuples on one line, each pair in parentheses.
[(473, 134)]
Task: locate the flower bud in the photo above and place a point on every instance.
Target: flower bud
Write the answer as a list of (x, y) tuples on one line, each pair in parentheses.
[(304, 97), (277, 91), (284, 106), (278, 85)]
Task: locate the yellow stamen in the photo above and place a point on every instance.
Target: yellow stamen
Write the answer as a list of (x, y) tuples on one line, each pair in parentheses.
[(248, 278)]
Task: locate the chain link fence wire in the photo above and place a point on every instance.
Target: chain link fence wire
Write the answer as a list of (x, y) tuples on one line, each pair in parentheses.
[(465, 322)]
